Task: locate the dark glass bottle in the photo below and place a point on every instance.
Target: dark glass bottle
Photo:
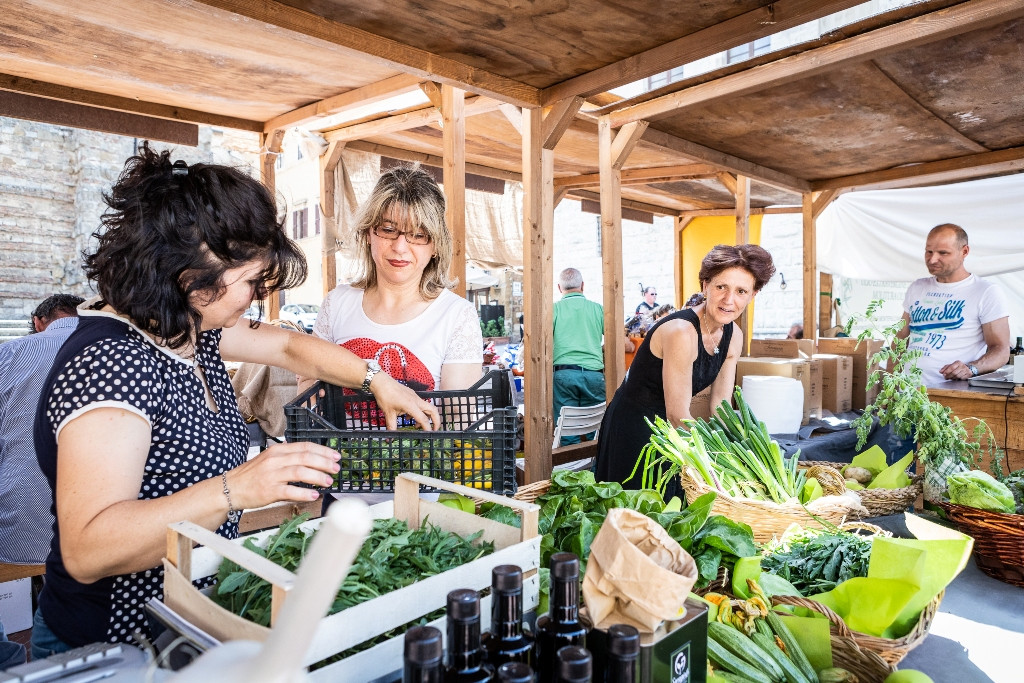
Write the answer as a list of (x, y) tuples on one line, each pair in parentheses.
[(515, 672), (465, 653), (622, 655), (574, 665), (1018, 349), (562, 625), (424, 656), (508, 641)]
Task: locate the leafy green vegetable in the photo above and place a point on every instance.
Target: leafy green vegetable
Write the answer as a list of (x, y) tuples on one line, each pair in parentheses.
[(814, 560), (392, 557), (732, 452), (980, 490), (575, 505), (903, 401)]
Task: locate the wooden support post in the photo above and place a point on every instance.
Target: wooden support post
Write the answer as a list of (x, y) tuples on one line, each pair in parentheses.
[(270, 148), (611, 247), (454, 131), (538, 293), (329, 162), (810, 267), (680, 223), (742, 194)]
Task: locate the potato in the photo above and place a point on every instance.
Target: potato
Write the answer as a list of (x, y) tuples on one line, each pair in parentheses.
[(858, 474)]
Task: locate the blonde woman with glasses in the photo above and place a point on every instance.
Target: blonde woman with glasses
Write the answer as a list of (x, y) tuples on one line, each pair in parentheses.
[(400, 314)]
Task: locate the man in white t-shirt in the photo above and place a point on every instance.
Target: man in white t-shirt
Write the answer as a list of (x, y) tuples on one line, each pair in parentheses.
[(958, 321)]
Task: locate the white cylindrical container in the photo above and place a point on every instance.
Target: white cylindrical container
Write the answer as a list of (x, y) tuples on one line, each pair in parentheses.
[(776, 401)]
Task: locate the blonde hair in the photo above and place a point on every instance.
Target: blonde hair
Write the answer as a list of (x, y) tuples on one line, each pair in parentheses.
[(418, 203)]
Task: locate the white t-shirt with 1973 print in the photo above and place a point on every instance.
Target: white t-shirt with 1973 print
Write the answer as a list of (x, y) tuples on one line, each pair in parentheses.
[(946, 320)]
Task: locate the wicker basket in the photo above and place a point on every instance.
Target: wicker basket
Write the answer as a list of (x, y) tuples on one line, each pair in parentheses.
[(880, 502), (765, 518), (850, 644), (998, 540), (528, 493)]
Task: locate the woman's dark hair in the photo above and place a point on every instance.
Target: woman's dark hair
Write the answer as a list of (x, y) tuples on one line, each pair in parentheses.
[(750, 257), (172, 230)]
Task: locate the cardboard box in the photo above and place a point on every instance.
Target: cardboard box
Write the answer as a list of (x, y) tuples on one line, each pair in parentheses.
[(861, 354), (782, 348), (784, 367), (16, 605), (836, 382), (357, 624)]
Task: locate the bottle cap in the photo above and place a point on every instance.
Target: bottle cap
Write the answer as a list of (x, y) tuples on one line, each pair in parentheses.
[(506, 578), (623, 640), (423, 645), (515, 672), (575, 663), (565, 566), (463, 604)]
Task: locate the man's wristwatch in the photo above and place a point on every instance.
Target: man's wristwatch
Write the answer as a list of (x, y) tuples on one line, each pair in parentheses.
[(973, 369), (372, 368)]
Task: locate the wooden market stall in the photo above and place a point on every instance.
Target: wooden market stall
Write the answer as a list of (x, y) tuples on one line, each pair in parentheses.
[(921, 94)]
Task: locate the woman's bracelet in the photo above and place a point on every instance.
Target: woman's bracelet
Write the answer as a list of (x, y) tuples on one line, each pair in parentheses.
[(233, 514)]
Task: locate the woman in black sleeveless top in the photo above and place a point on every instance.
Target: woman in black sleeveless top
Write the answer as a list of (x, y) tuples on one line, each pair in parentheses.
[(682, 354)]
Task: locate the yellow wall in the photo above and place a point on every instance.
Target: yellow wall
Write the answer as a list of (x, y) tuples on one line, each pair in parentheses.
[(699, 237)]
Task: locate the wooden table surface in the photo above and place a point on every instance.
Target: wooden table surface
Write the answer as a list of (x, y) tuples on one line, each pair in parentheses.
[(1000, 409)]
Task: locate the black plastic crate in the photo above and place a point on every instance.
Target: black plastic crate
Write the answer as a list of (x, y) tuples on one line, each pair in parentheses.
[(475, 445)]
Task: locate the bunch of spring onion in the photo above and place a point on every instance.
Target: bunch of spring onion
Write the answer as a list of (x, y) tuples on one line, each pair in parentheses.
[(732, 452)]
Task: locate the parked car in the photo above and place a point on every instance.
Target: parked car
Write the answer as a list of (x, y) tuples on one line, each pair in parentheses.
[(302, 314)]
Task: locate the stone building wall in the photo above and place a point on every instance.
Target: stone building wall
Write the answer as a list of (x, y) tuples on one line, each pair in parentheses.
[(51, 184)]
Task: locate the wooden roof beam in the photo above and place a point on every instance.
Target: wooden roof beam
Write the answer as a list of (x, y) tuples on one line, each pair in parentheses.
[(431, 160), (364, 45), (63, 93), (943, 23), (643, 176), (419, 117), (656, 209), (744, 28), (732, 212), (358, 97), (944, 171), (733, 164)]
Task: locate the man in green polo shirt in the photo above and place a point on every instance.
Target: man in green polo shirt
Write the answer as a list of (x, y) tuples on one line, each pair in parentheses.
[(578, 353)]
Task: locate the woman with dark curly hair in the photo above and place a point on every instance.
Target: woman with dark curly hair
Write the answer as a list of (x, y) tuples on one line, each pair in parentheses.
[(683, 353), (139, 427)]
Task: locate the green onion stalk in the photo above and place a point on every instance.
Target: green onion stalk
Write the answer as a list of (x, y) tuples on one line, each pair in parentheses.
[(732, 452)]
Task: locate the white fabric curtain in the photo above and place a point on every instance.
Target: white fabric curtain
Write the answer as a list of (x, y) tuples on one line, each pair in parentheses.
[(879, 235)]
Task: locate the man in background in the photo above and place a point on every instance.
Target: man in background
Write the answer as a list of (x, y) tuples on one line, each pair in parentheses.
[(958, 321), (578, 378), (649, 303), (26, 523)]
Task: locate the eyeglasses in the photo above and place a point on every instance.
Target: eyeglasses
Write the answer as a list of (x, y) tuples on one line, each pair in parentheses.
[(387, 232)]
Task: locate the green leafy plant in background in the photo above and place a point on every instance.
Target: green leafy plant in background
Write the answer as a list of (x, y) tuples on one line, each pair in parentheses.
[(903, 402), (493, 328)]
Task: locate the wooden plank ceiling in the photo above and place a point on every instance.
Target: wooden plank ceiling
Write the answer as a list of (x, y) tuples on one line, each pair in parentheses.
[(937, 85)]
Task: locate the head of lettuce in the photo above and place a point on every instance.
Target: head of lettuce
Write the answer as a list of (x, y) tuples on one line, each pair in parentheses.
[(980, 490)]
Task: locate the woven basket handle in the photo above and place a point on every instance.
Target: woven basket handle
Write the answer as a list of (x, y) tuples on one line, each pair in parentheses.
[(864, 526), (837, 621)]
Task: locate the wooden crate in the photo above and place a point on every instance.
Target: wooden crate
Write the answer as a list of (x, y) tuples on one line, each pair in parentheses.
[(352, 626)]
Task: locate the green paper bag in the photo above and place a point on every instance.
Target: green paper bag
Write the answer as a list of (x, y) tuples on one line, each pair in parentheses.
[(894, 476), (812, 634), (750, 568), (868, 605)]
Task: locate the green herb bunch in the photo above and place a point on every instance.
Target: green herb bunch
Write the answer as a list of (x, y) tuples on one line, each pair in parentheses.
[(903, 402), (392, 557), (814, 560)]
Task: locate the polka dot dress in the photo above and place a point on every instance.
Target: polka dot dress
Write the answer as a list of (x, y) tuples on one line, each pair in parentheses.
[(190, 443)]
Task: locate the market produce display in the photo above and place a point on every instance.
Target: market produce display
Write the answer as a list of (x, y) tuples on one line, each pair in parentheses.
[(575, 506), (981, 490), (392, 557), (731, 451), (816, 560)]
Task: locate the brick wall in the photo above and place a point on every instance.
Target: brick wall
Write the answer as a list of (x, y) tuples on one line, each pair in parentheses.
[(51, 184)]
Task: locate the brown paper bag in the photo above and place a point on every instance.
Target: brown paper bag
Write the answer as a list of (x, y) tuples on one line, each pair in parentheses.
[(637, 574)]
